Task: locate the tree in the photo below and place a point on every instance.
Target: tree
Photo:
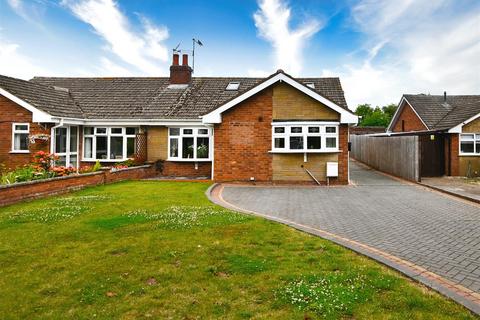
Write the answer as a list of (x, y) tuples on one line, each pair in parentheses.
[(378, 117)]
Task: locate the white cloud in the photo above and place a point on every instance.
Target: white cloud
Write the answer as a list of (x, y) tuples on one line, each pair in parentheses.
[(15, 64), (272, 22), (144, 50), (418, 46), (30, 11)]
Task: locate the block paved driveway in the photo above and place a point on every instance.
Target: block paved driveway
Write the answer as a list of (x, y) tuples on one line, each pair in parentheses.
[(429, 229)]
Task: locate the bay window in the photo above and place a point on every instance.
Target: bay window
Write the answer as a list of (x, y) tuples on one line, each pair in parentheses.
[(109, 143), (20, 133), (470, 144), (189, 144), (65, 146), (304, 137)]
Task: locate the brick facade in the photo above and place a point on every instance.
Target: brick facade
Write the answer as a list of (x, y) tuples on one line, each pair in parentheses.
[(343, 155), (13, 113), (454, 149), (186, 169), (243, 141), (410, 120)]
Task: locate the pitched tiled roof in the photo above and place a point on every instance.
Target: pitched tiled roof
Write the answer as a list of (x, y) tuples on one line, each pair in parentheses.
[(439, 114), (56, 102), (154, 98)]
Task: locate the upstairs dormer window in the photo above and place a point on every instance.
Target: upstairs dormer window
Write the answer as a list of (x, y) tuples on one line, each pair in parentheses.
[(232, 86), (310, 85)]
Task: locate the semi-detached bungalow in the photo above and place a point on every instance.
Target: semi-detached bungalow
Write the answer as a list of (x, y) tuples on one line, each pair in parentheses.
[(274, 129)]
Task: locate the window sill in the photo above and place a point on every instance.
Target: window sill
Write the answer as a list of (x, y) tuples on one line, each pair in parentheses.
[(469, 154), (305, 151), (104, 160), (20, 151), (188, 160)]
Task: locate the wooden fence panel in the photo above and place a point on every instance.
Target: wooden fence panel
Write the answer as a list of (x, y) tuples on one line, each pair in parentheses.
[(398, 156)]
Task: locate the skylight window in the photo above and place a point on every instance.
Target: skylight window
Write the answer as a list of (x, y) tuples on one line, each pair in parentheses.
[(233, 86), (310, 85)]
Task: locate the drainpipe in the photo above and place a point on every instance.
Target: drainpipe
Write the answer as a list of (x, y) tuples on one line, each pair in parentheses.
[(60, 124), (212, 152)]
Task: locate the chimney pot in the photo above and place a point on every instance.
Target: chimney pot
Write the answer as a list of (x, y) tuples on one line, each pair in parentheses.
[(180, 74), (176, 59)]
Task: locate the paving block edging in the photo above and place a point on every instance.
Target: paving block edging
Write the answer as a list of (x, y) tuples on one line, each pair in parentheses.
[(458, 293)]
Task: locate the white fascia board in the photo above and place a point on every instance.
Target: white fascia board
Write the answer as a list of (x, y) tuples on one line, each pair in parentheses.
[(458, 128), (397, 112), (133, 122), (305, 123), (37, 114), (216, 115)]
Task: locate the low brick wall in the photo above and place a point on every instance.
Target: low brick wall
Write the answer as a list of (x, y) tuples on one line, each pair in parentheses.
[(22, 191)]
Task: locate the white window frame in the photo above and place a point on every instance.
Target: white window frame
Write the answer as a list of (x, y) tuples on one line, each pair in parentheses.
[(194, 135), (305, 134), (107, 134), (68, 153), (475, 139), (14, 132)]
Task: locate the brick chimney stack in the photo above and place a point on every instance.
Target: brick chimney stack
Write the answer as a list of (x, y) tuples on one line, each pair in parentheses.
[(180, 74)]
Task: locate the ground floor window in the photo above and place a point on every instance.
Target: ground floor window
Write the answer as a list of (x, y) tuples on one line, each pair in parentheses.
[(109, 143), (189, 143), (470, 144), (20, 132), (304, 137), (65, 146)]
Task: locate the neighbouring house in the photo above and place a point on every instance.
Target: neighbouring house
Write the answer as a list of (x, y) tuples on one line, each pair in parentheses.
[(274, 129), (449, 129)]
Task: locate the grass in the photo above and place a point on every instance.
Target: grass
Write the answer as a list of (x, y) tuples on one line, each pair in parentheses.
[(160, 250)]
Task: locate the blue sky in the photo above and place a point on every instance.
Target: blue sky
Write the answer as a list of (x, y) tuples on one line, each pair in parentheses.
[(379, 48)]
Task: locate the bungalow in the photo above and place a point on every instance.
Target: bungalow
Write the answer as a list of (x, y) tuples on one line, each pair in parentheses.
[(274, 129), (449, 127)]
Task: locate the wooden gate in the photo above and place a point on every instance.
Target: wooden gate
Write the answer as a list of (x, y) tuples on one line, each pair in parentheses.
[(432, 155)]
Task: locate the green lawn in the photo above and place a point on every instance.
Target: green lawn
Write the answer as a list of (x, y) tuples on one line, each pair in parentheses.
[(161, 250)]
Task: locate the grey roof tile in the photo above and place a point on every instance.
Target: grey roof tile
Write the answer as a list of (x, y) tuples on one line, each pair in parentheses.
[(56, 102), (439, 114), (152, 98)]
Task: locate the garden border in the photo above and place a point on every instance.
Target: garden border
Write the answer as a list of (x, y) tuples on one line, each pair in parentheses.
[(22, 191)]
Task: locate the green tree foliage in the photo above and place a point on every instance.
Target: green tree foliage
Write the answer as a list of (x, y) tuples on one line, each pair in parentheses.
[(375, 117)]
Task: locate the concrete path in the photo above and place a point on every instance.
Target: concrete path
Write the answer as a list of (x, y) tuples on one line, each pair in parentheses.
[(456, 186), (403, 222)]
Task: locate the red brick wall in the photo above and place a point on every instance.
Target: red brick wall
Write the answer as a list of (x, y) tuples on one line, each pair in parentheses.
[(412, 121), (243, 139), (10, 113), (454, 147), (343, 156), (186, 169), (38, 189)]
